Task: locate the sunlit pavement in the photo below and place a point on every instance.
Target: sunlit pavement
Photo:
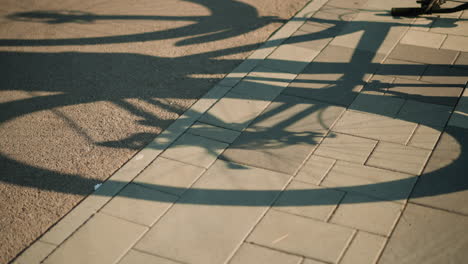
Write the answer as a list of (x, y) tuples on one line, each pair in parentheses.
[(343, 139)]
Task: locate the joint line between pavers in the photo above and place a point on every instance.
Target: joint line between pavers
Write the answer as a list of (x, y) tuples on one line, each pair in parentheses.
[(160, 256), (68, 237), (348, 244), (327, 172), (289, 253), (332, 213), (259, 219)]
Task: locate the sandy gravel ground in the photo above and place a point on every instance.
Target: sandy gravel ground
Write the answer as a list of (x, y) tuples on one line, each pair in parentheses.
[(85, 84)]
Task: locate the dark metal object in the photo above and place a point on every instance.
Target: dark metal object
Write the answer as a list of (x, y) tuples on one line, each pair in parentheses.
[(427, 7)]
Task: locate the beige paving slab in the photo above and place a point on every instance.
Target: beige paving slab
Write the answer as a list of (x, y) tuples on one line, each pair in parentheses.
[(423, 39), (456, 43), (375, 182), (169, 176), (252, 254), (375, 127), (139, 204), (459, 117), (378, 85), (213, 132), (308, 200), (450, 26), (462, 60), (345, 147), (368, 214), (443, 183), (35, 253), (195, 150), (425, 235), (263, 83), (103, 239), (299, 235), (137, 257), (82, 212), (425, 113), (402, 69), (399, 158), (234, 111), (283, 136), (446, 75), (223, 206), (425, 137), (434, 93), (315, 169), (336, 75), (422, 24), (377, 104), (312, 36), (376, 37), (423, 54), (365, 248), (312, 261), (289, 58)]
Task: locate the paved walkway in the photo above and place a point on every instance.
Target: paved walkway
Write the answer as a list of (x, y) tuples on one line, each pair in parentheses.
[(343, 139)]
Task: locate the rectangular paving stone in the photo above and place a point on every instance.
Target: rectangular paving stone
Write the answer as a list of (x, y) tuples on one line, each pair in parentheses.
[(456, 43), (372, 37), (375, 182), (139, 204), (312, 261), (423, 39), (425, 137), (462, 60), (213, 132), (263, 83), (377, 104), (169, 176), (444, 94), (378, 86), (335, 76), (336, 15), (402, 69), (425, 235), (425, 113), (253, 254), (312, 36), (308, 200), (345, 147), (217, 212), (450, 26), (103, 239), (284, 135), (137, 257), (195, 150), (422, 24), (303, 236), (459, 117), (399, 158), (35, 253), (446, 75), (365, 248), (235, 111), (368, 214), (315, 169), (289, 58), (444, 184), (423, 54), (375, 127)]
